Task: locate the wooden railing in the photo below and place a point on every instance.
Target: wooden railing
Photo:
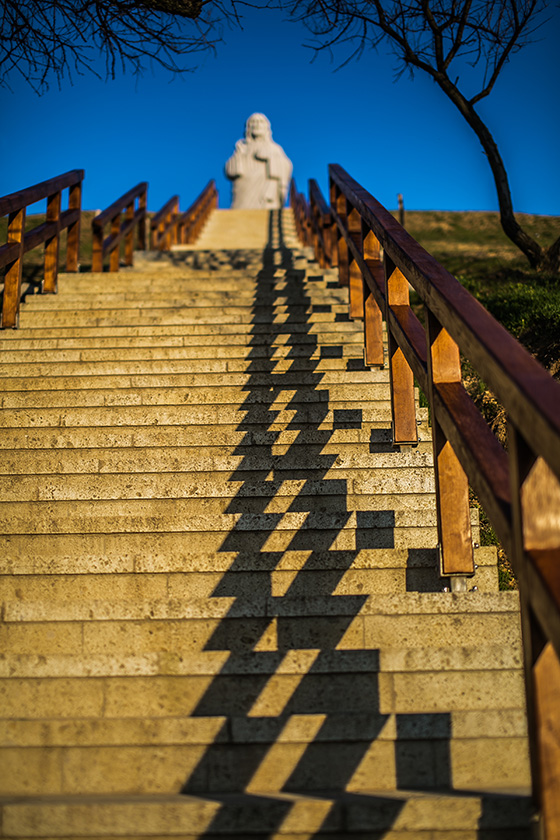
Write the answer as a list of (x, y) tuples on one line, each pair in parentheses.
[(128, 213), (163, 226), (171, 227), (19, 241), (300, 207), (323, 231), (123, 217), (519, 489)]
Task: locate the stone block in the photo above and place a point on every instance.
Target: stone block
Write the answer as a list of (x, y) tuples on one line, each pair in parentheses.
[(47, 698)]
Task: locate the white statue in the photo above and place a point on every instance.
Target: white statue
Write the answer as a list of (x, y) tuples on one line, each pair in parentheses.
[(259, 169)]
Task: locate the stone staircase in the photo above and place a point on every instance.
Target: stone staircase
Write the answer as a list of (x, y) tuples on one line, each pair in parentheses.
[(221, 616)]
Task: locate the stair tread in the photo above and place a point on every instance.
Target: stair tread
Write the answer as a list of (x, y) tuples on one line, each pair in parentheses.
[(266, 811), (217, 574)]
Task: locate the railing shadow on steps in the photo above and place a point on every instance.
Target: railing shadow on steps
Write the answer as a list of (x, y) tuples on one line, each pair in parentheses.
[(20, 241), (291, 678), (285, 669), (519, 489)]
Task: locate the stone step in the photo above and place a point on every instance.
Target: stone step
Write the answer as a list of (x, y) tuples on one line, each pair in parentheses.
[(200, 298), (138, 377), (301, 465), (167, 554), (397, 488), (275, 434), (179, 278), (331, 369), (181, 653), (472, 681), (173, 348), (117, 412), (180, 315), (248, 696), (400, 815), (359, 766), (82, 516), (206, 305), (395, 579), (64, 598), (182, 285), (279, 540), (341, 397), (278, 332), (412, 620), (393, 571), (169, 731)]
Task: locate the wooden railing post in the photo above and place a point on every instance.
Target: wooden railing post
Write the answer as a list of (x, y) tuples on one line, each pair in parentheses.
[(170, 227), (115, 257), (51, 244), (452, 487), (129, 237), (373, 317), (97, 252), (330, 242), (355, 279), (535, 493), (123, 219), (338, 201), (20, 241), (332, 248), (313, 232), (12, 280), (320, 223), (73, 235), (403, 404), (142, 205), (175, 228)]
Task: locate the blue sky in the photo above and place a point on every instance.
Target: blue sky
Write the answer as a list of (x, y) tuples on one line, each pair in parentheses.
[(393, 136)]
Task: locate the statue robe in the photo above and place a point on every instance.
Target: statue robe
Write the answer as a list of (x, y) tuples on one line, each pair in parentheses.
[(260, 172)]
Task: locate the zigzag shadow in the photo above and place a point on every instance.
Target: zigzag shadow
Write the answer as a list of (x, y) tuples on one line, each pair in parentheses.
[(301, 707)]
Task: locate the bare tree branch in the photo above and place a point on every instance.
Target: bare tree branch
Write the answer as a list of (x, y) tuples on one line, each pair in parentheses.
[(439, 37), (42, 40)]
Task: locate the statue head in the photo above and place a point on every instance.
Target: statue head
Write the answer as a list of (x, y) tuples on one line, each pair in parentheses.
[(257, 127)]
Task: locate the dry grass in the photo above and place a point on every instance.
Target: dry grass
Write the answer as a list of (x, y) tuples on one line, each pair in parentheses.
[(473, 247)]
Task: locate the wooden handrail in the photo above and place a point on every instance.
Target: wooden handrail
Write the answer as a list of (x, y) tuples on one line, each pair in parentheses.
[(519, 489), (14, 201), (171, 227), (20, 242), (300, 208), (321, 221), (121, 228), (191, 222), (163, 226)]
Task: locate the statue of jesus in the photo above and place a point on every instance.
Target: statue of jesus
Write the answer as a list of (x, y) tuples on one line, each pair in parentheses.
[(259, 169)]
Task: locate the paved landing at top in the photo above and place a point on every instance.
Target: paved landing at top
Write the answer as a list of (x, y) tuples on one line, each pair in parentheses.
[(239, 229)]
